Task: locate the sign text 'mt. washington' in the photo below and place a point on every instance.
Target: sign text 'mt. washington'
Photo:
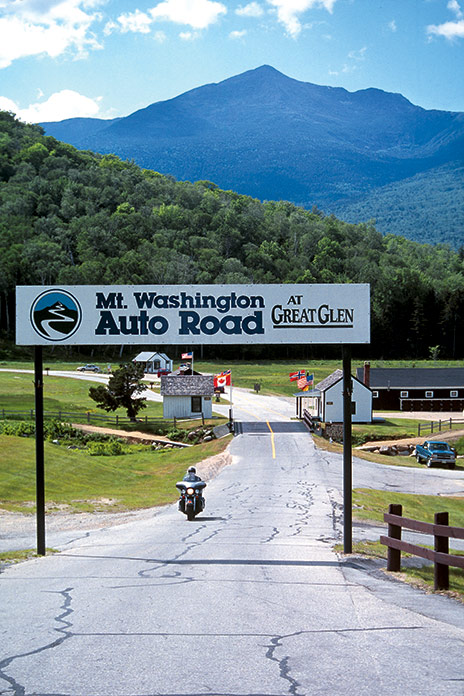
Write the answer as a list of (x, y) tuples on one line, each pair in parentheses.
[(175, 314)]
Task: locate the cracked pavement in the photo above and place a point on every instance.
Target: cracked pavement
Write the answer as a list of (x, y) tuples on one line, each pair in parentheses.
[(247, 600)]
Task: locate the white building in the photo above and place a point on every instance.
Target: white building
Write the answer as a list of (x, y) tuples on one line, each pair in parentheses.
[(154, 362), (187, 396), (325, 401)]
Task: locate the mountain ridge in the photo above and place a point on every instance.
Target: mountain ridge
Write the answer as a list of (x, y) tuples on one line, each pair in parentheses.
[(274, 137)]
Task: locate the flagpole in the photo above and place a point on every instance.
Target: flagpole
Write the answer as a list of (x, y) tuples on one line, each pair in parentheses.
[(192, 362)]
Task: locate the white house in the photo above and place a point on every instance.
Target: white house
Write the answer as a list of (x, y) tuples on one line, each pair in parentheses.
[(187, 396), (154, 362), (325, 401)]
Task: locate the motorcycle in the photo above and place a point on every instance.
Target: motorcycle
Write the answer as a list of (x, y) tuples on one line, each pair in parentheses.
[(191, 501)]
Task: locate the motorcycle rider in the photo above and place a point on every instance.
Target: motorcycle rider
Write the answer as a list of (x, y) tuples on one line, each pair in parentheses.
[(191, 477)]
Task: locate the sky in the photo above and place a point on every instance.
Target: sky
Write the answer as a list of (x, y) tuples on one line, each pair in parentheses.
[(107, 58)]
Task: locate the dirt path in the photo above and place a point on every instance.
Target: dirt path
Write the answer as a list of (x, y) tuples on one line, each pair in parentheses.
[(134, 437), (446, 435)]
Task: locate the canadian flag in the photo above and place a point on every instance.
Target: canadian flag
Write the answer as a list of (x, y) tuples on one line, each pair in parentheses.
[(223, 379)]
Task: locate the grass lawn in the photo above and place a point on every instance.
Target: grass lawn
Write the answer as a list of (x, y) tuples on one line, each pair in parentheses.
[(371, 504), (271, 374), (75, 478), (60, 394)]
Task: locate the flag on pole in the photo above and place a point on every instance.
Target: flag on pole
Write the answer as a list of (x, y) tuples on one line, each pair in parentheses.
[(187, 356), (310, 379), (303, 384), (294, 376), (223, 379)]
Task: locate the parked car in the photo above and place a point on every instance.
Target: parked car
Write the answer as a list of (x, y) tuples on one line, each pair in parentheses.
[(435, 452), (88, 368), (163, 372)]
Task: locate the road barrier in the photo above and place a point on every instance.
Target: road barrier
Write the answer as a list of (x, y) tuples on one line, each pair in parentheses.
[(446, 424), (440, 530)]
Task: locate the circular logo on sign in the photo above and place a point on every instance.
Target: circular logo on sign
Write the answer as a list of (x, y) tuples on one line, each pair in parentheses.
[(56, 315)]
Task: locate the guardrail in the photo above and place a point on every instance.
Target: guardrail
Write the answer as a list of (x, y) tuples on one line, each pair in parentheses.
[(439, 425), (440, 530), (313, 424)]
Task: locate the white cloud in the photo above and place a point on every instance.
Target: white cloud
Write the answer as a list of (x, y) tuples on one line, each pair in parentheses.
[(160, 36), (450, 30), (188, 35), (288, 12), (253, 9), (135, 21), (60, 105), (454, 6), (51, 27), (392, 26), (198, 14), (237, 34)]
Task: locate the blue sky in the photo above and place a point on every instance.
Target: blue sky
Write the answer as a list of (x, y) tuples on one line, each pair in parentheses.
[(107, 58)]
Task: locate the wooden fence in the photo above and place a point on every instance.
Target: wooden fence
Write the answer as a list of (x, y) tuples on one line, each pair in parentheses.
[(439, 425), (440, 530), (89, 417)]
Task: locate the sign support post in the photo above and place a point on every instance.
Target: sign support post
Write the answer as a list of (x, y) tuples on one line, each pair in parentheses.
[(39, 450), (347, 452)]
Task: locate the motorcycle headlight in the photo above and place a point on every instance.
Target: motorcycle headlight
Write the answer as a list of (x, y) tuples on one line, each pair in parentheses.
[(190, 491)]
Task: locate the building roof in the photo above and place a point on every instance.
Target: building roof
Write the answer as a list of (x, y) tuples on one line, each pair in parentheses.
[(187, 385), (148, 356), (329, 381), (414, 377), (332, 379)]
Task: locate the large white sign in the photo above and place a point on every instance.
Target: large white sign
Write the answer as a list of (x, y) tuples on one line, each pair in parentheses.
[(195, 314)]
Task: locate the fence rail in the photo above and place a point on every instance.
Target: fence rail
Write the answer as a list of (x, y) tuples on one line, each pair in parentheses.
[(88, 417), (439, 425), (440, 530)]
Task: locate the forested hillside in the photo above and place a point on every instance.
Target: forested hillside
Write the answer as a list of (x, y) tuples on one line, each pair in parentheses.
[(74, 217), (428, 207)]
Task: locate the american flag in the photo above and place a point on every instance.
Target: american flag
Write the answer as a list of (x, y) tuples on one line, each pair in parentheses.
[(187, 356)]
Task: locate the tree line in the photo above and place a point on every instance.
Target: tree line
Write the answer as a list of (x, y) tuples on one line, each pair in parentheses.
[(72, 217)]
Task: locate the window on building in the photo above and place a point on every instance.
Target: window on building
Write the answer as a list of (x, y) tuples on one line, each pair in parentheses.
[(453, 394), (404, 394), (375, 394), (196, 404), (353, 407), (429, 394)]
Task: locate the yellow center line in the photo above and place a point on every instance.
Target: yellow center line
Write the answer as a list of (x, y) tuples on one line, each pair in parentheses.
[(272, 439)]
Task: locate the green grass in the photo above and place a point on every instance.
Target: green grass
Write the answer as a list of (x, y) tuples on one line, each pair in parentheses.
[(8, 557), (60, 394), (81, 481), (371, 504), (271, 374)]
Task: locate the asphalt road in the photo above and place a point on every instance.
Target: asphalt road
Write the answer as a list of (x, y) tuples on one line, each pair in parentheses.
[(249, 599)]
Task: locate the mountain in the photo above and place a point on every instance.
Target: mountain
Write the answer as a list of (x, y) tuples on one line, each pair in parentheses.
[(273, 137)]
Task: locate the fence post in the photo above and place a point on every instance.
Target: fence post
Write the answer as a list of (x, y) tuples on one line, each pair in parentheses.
[(88, 416), (441, 571), (117, 419), (439, 426), (394, 532)]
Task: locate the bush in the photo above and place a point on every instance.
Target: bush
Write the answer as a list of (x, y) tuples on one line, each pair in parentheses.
[(20, 429), (105, 449)]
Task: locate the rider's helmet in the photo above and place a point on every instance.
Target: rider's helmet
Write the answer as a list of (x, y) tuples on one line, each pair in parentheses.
[(191, 470)]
